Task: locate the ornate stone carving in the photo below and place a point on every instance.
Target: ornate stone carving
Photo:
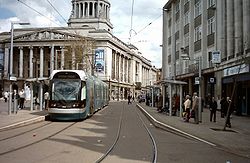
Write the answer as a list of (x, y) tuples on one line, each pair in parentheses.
[(45, 35)]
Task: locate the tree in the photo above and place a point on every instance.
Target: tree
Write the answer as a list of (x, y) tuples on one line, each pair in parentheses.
[(244, 60), (79, 54)]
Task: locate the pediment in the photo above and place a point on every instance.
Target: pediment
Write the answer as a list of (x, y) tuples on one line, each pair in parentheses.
[(45, 35)]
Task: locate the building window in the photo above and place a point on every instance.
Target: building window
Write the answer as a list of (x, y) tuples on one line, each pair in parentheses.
[(197, 8), (186, 39), (169, 31), (186, 1), (210, 3), (169, 22), (186, 64), (169, 58), (210, 26), (186, 18), (197, 33), (170, 73), (177, 7), (1, 61), (177, 46), (177, 26)]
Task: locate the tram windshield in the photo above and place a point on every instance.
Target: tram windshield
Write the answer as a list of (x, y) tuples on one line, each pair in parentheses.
[(66, 89)]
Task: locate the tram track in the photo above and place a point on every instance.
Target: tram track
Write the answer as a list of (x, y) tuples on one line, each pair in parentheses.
[(118, 136), (13, 149), (21, 133)]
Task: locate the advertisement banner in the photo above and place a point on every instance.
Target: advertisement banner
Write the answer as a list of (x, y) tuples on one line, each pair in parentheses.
[(99, 60)]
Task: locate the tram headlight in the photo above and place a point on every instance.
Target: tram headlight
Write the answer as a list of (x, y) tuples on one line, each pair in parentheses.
[(76, 105)]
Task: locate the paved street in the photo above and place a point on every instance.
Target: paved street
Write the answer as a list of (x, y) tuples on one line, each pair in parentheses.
[(172, 146)]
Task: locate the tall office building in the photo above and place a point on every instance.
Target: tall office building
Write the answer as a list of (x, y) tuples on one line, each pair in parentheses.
[(211, 36)]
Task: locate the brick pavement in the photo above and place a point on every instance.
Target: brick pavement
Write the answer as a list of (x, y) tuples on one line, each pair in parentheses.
[(236, 140)]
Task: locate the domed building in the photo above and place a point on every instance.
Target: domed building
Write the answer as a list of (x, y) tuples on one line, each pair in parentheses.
[(87, 43)]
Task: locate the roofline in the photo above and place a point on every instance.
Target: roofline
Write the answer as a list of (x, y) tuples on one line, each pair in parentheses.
[(168, 4)]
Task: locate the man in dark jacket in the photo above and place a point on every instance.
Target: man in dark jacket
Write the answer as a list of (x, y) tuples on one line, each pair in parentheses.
[(213, 108)]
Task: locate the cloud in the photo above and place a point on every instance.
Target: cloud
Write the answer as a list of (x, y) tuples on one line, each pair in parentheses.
[(147, 20)]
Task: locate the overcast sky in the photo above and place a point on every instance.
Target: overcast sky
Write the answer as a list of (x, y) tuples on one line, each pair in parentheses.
[(146, 27)]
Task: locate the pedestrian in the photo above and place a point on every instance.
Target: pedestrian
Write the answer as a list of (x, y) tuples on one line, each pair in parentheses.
[(230, 109), (187, 106), (129, 99), (6, 96), (46, 99), (160, 103), (213, 108), (195, 106), (223, 105), (22, 98)]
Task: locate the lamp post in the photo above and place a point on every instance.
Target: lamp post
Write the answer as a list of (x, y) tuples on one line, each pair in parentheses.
[(11, 62), (186, 57), (200, 99)]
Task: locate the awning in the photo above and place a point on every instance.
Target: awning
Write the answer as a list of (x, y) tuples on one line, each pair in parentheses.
[(177, 82)]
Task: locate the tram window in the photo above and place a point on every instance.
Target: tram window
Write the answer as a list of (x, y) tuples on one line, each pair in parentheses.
[(83, 94)]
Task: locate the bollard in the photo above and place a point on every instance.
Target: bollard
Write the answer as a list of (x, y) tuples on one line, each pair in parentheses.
[(15, 105)]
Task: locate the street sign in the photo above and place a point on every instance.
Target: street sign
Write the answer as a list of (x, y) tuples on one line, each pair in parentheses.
[(216, 57), (13, 78)]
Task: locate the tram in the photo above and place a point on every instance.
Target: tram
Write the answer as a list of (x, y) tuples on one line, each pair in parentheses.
[(75, 95)]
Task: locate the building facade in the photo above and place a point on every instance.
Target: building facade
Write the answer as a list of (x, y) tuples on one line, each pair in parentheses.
[(87, 43), (210, 36)]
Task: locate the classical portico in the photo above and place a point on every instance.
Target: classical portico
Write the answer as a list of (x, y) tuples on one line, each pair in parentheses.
[(37, 54)]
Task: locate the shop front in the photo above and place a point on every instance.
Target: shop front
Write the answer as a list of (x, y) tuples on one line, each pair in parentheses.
[(238, 77)]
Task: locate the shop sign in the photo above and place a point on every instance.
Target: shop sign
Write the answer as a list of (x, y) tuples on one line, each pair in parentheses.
[(236, 69), (212, 80), (196, 80)]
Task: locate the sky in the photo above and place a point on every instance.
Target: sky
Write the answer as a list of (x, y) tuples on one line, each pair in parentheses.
[(145, 34)]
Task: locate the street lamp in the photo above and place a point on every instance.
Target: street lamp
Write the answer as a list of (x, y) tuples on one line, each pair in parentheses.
[(11, 62), (185, 56)]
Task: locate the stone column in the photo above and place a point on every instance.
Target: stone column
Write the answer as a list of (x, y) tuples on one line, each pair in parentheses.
[(115, 57), (93, 10), (73, 58), (230, 28), (119, 67), (128, 70), (221, 28), (31, 63), (238, 17), (74, 9), (80, 10), (108, 13), (246, 24), (20, 62), (84, 9), (62, 58), (123, 69), (41, 62), (52, 60), (87, 12), (6, 62)]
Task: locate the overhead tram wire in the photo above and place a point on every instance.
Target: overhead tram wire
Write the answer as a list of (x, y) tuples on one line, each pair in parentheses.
[(56, 11), (66, 28), (148, 25), (39, 13)]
